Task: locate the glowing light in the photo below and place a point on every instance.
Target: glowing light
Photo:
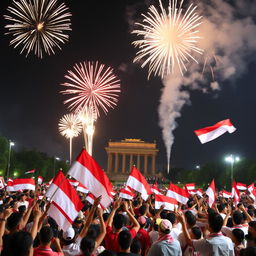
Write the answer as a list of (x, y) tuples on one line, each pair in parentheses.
[(169, 38), (38, 25), (93, 86)]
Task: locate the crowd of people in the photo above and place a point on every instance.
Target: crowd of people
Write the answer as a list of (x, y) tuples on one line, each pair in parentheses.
[(129, 228)]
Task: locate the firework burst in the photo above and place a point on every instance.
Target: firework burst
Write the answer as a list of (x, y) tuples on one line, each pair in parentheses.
[(169, 38), (38, 25), (92, 86)]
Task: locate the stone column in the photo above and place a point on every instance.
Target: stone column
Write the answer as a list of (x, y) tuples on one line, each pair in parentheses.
[(153, 167), (138, 161), (145, 164), (123, 163), (109, 162), (116, 162), (131, 157)]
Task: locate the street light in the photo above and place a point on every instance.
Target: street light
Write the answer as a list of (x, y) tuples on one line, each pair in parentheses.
[(11, 144), (54, 162), (232, 159), (198, 167)]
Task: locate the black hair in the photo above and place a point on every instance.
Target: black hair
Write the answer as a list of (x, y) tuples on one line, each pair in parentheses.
[(119, 221), (142, 209), (105, 216), (14, 220), (45, 235), (238, 234), (93, 231), (190, 203), (190, 218), (197, 232), (221, 207), (20, 243), (87, 246), (136, 246), (22, 209), (124, 239), (163, 214), (107, 253), (250, 251), (171, 217), (215, 222), (237, 217)]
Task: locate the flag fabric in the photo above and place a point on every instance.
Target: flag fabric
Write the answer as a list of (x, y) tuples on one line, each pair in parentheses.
[(180, 194), (126, 193), (190, 186), (225, 194), (253, 195), (198, 192), (9, 186), (87, 171), (155, 189), (31, 171), (211, 193), (65, 204), (20, 184), (82, 189), (74, 183), (241, 186), (169, 203), (235, 193), (251, 188), (2, 184), (137, 182), (90, 198), (40, 180), (212, 132)]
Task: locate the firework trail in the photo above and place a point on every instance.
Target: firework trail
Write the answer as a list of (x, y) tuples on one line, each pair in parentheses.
[(38, 26)]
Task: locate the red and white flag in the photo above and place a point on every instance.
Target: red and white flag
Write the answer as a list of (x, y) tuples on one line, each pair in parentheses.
[(225, 194), (235, 193), (137, 182), (90, 198), (241, 186), (21, 184), (155, 189), (190, 186), (9, 186), (40, 180), (2, 184), (251, 188), (253, 195), (169, 203), (65, 204), (74, 183), (180, 194), (211, 192), (199, 192), (126, 193), (212, 132), (31, 171), (82, 189), (87, 171)]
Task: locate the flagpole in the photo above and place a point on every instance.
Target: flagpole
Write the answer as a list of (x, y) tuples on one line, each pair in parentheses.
[(70, 150)]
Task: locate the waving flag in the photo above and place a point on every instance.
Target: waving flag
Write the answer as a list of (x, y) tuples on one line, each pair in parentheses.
[(137, 182), (180, 194), (126, 193), (155, 189), (82, 188), (87, 171), (235, 193), (241, 186), (66, 204), (211, 193), (40, 180), (31, 171), (212, 132), (169, 203)]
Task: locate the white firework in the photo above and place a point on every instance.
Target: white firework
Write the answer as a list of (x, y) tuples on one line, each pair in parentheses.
[(169, 38)]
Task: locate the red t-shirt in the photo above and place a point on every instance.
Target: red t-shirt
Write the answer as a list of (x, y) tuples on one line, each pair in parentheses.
[(111, 239), (144, 239), (46, 251)]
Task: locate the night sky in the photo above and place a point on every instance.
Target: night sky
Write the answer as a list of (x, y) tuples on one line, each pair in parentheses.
[(31, 106)]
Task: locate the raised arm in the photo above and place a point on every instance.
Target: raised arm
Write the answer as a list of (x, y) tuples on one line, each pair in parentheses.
[(111, 215), (136, 225), (4, 217), (102, 234), (181, 218)]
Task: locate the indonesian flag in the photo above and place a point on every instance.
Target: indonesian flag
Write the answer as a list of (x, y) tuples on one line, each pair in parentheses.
[(190, 186), (66, 204), (40, 180), (251, 188), (87, 171), (90, 198), (137, 182), (31, 171), (126, 193), (253, 195), (225, 194), (82, 188), (211, 193), (212, 132), (21, 184), (2, 184), (241, 186), (198, 192), (180, 194), (9, 187), (169, 203), (155, 189), (235, 193), (74, 183)]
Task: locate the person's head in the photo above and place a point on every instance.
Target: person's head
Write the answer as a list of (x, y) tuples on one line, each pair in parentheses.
[(105, 216), (215, 222), (45, 235), (13, 221), (165, 226), (142, 209), (196, 233), (136, 246), (22, 209), (118, 221), (190, 203), (87, 246), (68, 236), (237, 236), (171, 217), (250, 251), (222, 208), (124, 240), (142, 221), (237, 217), (190, 218), (107, 253), (21, 244)]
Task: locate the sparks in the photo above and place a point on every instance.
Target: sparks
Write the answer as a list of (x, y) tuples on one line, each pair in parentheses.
[(168, 38), (38, 26)]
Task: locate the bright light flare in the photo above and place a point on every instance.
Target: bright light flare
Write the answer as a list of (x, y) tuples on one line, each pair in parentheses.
[(92, 86), (38, 25), (169, 38)]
